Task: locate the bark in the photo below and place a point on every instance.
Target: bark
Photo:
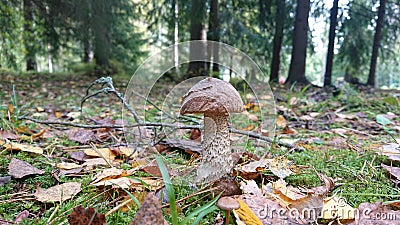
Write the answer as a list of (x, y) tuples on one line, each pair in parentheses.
[(213, 35), (278, 37), (377, 41), (197, 32), (299, 51), (331, 44), (28, 35), (101, 25)]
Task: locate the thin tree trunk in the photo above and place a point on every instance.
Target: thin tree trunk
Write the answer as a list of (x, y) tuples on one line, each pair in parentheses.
[(331, 44), (101, 24), (377, 41), (299, 51), (176, 36), (213, 35), (197, 32), (29, 41), (278, 37)]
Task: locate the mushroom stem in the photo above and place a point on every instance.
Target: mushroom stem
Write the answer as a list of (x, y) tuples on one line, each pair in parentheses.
[(217, 160), (227, 216)]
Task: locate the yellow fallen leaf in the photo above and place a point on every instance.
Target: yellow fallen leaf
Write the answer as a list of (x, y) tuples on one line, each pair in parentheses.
[(39, 109), (23, 147), (101, 152), (11, 108), (58, 193), (58, 114), (67, 166), (110, 173), (281, 121), (246, 215), (39, 134)]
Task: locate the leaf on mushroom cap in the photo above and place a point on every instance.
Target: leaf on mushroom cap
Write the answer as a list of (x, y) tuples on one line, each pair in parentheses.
[(211, 95)]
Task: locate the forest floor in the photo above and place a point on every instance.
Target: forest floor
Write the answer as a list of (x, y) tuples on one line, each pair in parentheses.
[(337, 151)]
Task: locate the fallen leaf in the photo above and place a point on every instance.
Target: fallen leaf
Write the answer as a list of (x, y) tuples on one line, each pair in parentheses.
[(110, 173), (8, 135), (4, 180), (21, 216), (101, 152), (80, 135), (58, 193), (85, 216), (252, 117), (67, 166), (150, 212), (392, 151), (19, 169), (280, 167), (250, 187), (394, 171), (23, 147), (78, 155), (89, 163), (281, 121), (186, 145), (10, 108)]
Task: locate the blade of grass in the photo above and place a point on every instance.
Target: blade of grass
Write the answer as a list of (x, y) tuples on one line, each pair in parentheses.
[(200, 210), (204, 213), (170, 189)]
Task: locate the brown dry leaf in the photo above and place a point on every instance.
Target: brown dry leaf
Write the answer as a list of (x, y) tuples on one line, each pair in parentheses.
[(68, 166), (80, 135), (150, 212), (281, 121), (289, 130), (121, 182), (38, 134), (21, 216), (287, 193), (337, 207), (89, 163), (69, 172), (85, 216), (394, 171), (4, 180), (392, 151), (101, 152), (123, 151), (58, 193), (186, 145), (10, 108), (23, 147), (376, 214), (8, 135), (111, 173), (18, 169), (78, 155)]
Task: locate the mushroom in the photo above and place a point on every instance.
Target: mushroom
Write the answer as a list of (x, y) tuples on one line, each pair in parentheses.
[(215, 99), (228, 204)]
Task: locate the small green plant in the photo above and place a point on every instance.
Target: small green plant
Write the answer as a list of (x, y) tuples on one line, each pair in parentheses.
[(199, 212)]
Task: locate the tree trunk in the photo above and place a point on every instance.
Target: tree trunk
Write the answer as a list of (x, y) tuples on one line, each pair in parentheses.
[(278, 37), (377, 41), (299, 51), (213, 35), (331, 44), (28, 35), (197, 32), (101, 24), (176, 36)]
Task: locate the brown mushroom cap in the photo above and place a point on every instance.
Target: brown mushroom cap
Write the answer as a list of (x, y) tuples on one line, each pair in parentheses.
[(228, 203), (211, 95)]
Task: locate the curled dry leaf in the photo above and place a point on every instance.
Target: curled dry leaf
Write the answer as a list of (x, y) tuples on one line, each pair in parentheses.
[(19, 169), (58, 193), (67, 166), (85, 216), (111, 173), (21, 216)]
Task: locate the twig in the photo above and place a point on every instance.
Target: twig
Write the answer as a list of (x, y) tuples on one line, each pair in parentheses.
[(267, 139)]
